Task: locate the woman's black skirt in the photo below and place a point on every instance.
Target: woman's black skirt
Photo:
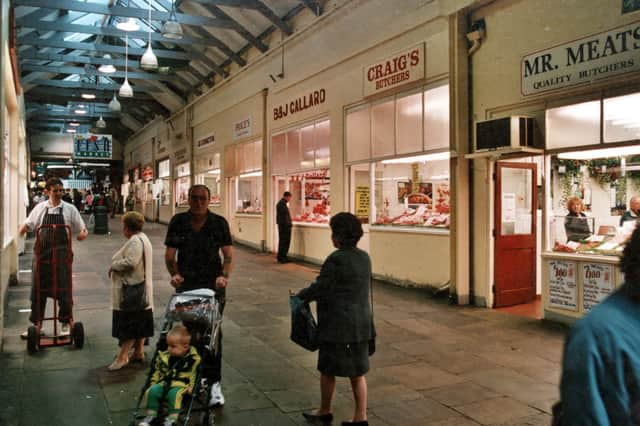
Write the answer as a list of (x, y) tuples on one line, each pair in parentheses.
[(132, 325), (343, 359)]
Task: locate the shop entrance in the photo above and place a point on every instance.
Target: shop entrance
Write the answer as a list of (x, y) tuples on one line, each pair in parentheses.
[(515, 233)]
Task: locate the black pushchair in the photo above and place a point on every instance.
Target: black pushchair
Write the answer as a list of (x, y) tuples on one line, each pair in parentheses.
[(198, 310)]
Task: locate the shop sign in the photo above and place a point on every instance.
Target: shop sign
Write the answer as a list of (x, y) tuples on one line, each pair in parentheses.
[(92, 146), (562, 285), (597, 283), (242, 128), (207, 140), (147, 173), (362, 202), (395, 71), (315, 98), (180, 154), (588, 59)]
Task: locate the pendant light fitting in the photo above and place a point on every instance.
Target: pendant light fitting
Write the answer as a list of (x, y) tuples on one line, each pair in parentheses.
[(171, 28), (149, 60)]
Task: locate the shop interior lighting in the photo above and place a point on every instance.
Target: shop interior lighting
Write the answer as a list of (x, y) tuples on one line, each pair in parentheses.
[(70, 130), (601, 153), (251, 174), (128, 24), (80, 111), (88, 96), (149, 60), (214, 172), (100, 123), (125, 90), (107, 68), (74, 124), (59, 166), (114, 104), (419, 158), (171, 28), (392, 178)]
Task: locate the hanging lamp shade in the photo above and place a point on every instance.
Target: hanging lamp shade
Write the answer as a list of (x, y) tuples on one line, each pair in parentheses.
[(125, 90), (114, 105), (149, 61), (129, 24), (171, 28), (107, 68), (100, 123)]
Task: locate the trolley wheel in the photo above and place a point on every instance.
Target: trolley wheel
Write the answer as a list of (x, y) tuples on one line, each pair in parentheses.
[(77, 335), (32, 339)]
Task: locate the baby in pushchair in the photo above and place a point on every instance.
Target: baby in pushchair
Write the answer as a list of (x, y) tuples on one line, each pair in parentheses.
[(173, 389), (173, 374)]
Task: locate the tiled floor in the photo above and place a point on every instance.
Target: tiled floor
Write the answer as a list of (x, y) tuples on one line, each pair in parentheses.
[(435, 364)]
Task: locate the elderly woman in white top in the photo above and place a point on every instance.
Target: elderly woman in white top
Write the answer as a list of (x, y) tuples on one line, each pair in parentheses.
[(132, 292)]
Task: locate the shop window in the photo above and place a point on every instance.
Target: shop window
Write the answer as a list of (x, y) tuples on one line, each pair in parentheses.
[(310, 201), (278, 153), (247, 183), (360, 182), (409, 124), (358, 144), (413, 191), (182, 184), (323, 140), (621, 120), (597, 187), (383, 129), (209, 167), (436, 118), (164, 174), (573, 125)]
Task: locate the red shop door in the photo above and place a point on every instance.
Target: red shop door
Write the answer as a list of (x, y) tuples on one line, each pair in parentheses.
[(515, 234)]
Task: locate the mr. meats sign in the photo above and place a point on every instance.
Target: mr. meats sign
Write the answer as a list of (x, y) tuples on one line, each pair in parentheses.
[(596, 57), (394, 71)]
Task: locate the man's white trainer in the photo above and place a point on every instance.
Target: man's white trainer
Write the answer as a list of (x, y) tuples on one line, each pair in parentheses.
[(216, 395)]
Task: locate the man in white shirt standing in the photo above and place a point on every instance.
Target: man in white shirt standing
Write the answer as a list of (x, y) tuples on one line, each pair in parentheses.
[(53, 244)]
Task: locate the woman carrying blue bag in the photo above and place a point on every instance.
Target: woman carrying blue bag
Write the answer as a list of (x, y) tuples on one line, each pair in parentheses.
[(345, 325)]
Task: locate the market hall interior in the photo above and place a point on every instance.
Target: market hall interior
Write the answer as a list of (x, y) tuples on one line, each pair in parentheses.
[(495, 170)]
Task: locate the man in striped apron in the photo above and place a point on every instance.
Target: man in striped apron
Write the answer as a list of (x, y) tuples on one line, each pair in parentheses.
[(53, 247)]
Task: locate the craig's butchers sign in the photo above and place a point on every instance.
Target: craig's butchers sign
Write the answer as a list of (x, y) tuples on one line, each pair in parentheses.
[(397, 70), (596, 57)]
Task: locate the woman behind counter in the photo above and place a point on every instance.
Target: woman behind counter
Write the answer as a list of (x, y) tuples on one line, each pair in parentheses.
[(576, 225), (132, 264), (344, 318)]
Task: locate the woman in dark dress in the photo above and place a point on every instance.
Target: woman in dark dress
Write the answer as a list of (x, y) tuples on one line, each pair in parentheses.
[(131, 265), (341, 292)]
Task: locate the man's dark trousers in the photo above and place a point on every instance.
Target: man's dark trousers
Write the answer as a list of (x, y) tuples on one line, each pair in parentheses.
[(284, 240)]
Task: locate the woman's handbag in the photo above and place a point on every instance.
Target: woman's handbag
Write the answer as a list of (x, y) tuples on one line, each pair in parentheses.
[(304, 330), (134, 296), (372, 339)]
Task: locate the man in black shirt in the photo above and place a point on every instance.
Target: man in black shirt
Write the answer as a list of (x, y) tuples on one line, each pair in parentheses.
[(283, 220), (197, 237)]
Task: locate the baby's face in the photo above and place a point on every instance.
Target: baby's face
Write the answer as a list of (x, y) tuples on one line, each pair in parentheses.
[(176, 347)]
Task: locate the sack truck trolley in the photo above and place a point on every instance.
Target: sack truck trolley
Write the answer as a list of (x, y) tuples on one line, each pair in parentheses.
[(52, 278)]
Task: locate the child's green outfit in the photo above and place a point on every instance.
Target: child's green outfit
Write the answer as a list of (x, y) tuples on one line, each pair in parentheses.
[(178, 373)]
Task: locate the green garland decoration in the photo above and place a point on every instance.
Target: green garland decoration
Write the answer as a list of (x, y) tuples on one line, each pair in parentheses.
[(612, 170)]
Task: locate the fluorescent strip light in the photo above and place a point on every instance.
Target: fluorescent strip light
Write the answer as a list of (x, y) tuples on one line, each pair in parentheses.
[(74, 124), (88, 96), (214, 172), (419, 158), (80, 111), (601, 153), (93, 164), (59, 166), (71, 130), (252, 174)]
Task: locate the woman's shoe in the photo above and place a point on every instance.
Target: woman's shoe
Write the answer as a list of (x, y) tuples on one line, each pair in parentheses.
[(117, 365), (137, 359), (361, 423), (322, 418)]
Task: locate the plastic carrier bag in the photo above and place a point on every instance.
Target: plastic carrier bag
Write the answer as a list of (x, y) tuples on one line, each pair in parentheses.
[(304, 329)]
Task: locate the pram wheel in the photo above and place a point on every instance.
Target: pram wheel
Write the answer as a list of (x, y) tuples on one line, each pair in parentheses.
[(208, 418), (77, 334), (32, 339)]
